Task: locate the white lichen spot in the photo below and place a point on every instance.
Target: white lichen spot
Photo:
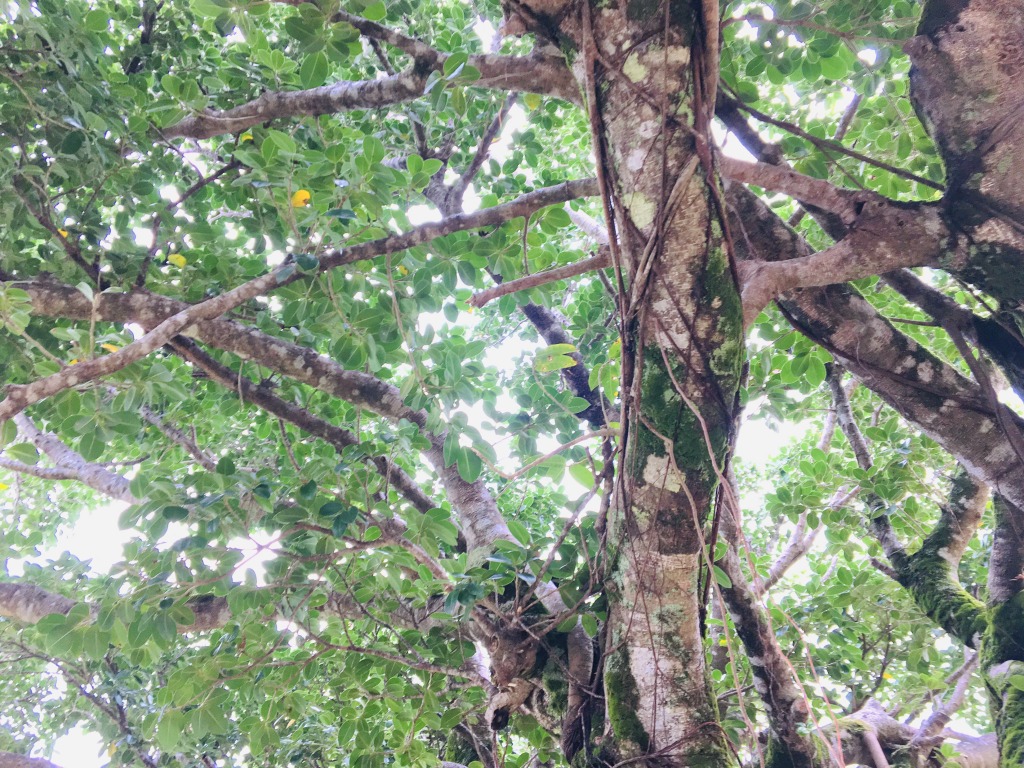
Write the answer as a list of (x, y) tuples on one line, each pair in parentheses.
[(635, 159), (658, 472), (641, 209), (716, 302), (633, 69), (677, 56)]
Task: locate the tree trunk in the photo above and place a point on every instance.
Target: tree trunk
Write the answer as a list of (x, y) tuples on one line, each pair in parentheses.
[(644, 69)]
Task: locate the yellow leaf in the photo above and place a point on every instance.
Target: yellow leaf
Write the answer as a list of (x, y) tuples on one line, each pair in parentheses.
[(300, 198), (177, 260), (63, 232), (110, 347), (111, 750), (532, 100), (245, 137), (403, 270), (4, 486), (73, 361)]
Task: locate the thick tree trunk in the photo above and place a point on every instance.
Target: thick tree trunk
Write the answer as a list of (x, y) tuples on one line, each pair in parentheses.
[(643, 68)]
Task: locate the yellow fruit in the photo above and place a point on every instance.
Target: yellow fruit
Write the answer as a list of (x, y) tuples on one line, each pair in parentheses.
[(110, 347), (177, 260), (300, 198)]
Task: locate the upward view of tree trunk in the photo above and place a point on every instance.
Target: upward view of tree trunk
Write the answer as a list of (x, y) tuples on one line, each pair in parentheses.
[(422, 365)]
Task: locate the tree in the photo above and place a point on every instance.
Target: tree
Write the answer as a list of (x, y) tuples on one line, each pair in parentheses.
[(244, 243)]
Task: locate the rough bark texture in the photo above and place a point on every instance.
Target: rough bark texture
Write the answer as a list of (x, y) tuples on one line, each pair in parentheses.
[(1002, 654), (642, 68), (949, 408), (968, 61), (686, 345)]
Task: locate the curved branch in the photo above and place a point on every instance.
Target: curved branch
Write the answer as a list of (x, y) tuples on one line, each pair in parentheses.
[(947, 407), (884, 237)]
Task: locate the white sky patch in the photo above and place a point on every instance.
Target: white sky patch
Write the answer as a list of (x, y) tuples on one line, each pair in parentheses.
[(80, 748), (869, 56)]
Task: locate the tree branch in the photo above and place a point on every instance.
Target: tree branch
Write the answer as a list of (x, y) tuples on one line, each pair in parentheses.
[(336, 436), (806, 189), (70, 465), (535, 73), (925, 390), (600, 261), (884, 237), (11, 760)]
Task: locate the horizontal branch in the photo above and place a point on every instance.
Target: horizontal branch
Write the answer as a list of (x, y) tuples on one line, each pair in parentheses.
[(29, 604), (481, 298), (11, 760), (20, 396), (524, 205), (535, 73)]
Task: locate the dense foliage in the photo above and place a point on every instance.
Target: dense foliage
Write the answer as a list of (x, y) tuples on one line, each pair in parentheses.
[(296, 586)]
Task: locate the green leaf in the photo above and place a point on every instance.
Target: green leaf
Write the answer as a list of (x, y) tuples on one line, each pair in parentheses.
[(282, 141), (307, 262), (722, 578), (519, 531), (331, 508), (343, 520), (175, 513), (170, 729), (26, 453), (470, 465), (97, 21), (314, 70), (226, 466), (375, 11), (554, 357)]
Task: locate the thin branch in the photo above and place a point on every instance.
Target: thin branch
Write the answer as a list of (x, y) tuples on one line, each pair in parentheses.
[(205, 460), (20, 396), (829, 144), (337, 437), (458, 188), (481, 298), (931, 729)]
